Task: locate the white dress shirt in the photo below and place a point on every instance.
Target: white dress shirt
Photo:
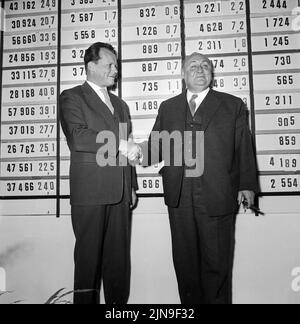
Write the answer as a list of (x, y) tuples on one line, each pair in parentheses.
[(98, 90), (201, 96), (103, 95)]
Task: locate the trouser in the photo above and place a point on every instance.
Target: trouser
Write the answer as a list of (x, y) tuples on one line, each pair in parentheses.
[(203, 251), (102, 251)]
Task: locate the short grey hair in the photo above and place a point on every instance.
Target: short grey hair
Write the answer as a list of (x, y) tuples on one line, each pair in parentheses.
[(196, 54)]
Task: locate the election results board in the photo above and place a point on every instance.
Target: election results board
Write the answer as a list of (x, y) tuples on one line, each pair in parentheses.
[(254, 46)]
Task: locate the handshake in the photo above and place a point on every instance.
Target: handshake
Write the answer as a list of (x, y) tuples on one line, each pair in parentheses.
[(131, 151)]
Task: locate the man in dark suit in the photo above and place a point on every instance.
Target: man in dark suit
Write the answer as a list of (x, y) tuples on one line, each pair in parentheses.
[(202, 208), (101, 196)]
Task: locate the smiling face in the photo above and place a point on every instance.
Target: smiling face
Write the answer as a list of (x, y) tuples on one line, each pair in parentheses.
[(104, 71), (197, 72)]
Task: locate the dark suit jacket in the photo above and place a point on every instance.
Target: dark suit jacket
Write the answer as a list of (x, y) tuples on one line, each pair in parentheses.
[(83, 116), (229, 159)]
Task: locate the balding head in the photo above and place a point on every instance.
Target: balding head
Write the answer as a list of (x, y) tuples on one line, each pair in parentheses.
[(197, 72)]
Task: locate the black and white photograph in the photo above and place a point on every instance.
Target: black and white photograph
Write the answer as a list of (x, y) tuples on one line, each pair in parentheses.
[(150, 154)]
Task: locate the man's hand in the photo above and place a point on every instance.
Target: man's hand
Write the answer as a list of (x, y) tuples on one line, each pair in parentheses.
[(130, 150), (247, 198), (134, 200)]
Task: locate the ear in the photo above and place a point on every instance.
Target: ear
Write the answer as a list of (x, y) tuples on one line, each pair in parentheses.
[(91, 66), (182, 74)]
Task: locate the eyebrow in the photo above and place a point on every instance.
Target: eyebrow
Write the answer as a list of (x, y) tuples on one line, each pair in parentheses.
[(196, 62)]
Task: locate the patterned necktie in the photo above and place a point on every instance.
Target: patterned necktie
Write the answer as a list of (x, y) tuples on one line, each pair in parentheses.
[(107, 100), (193, 104)]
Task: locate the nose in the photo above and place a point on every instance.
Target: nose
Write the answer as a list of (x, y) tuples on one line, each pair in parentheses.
[(114, 69), (200, 69)]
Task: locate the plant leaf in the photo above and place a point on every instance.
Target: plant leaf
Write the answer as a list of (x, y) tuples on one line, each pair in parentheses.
[(2, 293), (53, 297), (65, 302), (58, 299)]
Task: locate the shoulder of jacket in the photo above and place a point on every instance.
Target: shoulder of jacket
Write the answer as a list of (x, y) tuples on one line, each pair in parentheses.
[(116, 97), (121, 101), (227, 97), (122, 104), (76, 91), (170, 103)]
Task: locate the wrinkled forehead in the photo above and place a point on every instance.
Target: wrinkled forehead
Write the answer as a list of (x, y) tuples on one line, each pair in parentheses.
[(197, 59)]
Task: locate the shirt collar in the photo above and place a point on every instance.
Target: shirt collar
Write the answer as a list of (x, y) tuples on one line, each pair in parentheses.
[(95, 87), (201, 95)]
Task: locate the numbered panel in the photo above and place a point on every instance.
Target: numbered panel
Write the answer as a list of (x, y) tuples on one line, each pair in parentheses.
[(31, 40), (284, 42), (275, 122), (151, 47), (23, 7), (152, 88), (271, 6), (28, 58), (278, 142), (26, 188), (83, 22), (231, 83), (40, 94), (29, 99), (279, 163), (90, 4), (154, 32), (151, 68), (150, 185), (91, 18), (269, 101), (275, 62), (202, 9), (272, 24), (28, 150), (148, 50), (33, 112), (206, 28), (275, 43), (28, 131), (144, 107), (289, 81), (230, 64), (275, 184), (232, 45), (31, 23), (152, 13), (88, 36), (28, 169), (30, 76)]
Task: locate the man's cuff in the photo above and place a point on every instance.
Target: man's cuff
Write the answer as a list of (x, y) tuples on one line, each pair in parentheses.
[(140, 156)]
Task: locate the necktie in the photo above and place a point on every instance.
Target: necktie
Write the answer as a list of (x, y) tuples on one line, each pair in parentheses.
[(107, 100), (193, 104)]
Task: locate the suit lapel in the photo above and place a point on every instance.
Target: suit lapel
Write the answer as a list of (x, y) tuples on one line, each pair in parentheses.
[(209, 107), (99, 106), (181, 112), (116, 104)]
